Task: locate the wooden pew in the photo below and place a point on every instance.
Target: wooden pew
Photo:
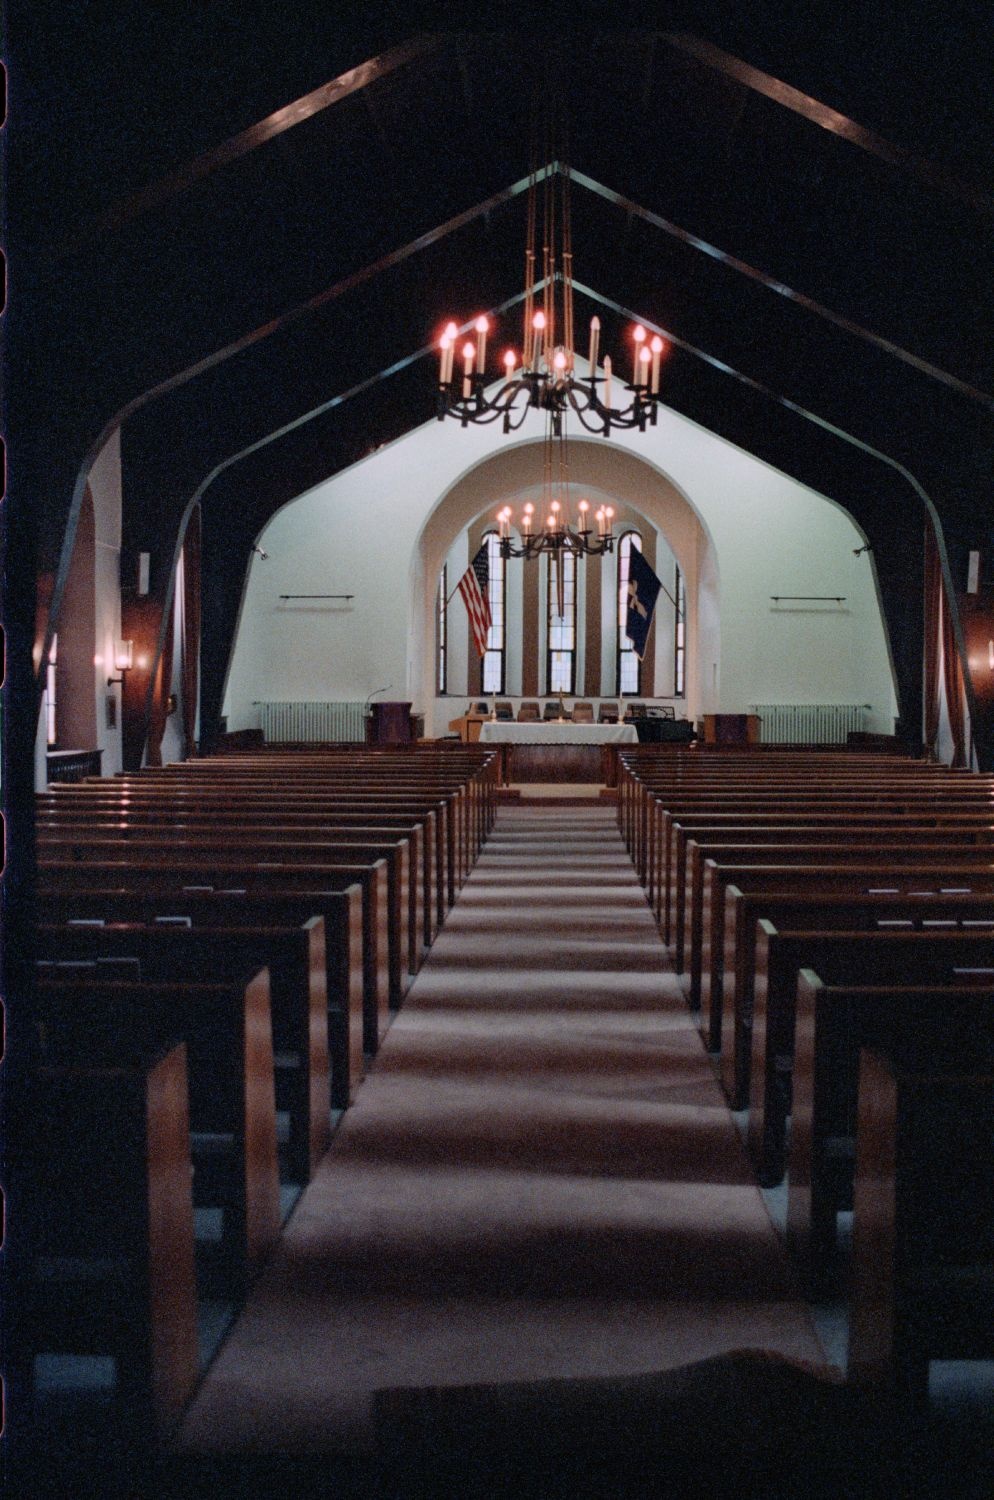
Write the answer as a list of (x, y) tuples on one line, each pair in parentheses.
[(470, 795), (341, 913), (773, 982), (811, 824), (121, 817), (777, 786), (112, 1238), (922, 1273), (842, 957), (951, 1022), (274, 881), (688, 875), (913, 867), (296, 959), (167, 846), (229, 1044)]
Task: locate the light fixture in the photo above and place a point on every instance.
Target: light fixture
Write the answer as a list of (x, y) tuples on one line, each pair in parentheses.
[(124, 653), (546, 376)]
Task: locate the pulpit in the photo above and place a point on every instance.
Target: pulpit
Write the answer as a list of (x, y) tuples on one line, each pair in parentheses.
[(731, 729), (389, 724)]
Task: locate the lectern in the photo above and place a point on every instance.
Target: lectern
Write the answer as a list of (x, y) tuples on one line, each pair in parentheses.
[(389, 724)]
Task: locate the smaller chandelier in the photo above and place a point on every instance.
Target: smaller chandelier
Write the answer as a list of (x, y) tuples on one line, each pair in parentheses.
[(558, 535), (547, 379)]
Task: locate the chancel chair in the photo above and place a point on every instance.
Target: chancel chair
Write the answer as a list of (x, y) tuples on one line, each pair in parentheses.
[(583, 713), (554, 709), (608, 713), (528, 713), (634, 710), (504, 710)]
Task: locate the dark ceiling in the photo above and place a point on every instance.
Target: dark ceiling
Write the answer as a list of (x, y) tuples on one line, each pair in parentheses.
[(805, 207)]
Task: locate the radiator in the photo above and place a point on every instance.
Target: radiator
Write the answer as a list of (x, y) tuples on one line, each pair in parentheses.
[(807, 723), (302, 722)]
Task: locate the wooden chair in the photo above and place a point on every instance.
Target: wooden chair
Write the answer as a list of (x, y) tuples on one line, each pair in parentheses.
[(634, 710), (583, 713), (504, 711), (607, 713), (528, 713), (552, 711)]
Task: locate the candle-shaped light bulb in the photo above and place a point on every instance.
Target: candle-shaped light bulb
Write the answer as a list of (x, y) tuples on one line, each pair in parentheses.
[(595, 338), (657, 350), (644, 360), (550, 524), (559, 359), (510, 360), (607, 381), (451, 331), (481, 326), (445, 346), (608, 513), (583, 507), (468, 354), (600, 520), (639, 337), (527, 521), (538, 321)]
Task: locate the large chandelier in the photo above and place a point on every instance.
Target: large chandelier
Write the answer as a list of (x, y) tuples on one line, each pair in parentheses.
[(545, 377)]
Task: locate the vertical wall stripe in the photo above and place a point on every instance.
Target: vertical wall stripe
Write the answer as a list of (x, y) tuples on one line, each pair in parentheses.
[(474, 663), (592, 629), (649, 660), (529, 628)]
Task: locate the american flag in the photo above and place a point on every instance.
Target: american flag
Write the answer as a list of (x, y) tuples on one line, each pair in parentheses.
[(474, 585)]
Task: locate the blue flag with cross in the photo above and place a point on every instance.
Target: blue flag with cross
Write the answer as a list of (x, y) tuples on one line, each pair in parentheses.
[(643, 591)]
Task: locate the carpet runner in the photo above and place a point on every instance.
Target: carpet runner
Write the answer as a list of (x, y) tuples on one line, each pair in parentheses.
[(539, 1176)]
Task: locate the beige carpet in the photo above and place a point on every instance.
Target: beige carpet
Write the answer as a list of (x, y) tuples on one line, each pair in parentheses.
[(539, 1178)]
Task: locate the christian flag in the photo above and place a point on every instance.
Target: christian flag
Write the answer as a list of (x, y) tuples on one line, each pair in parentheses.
[(643, 591), (474, 585)]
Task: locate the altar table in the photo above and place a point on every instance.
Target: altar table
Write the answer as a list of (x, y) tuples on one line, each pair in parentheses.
[(555, 751)]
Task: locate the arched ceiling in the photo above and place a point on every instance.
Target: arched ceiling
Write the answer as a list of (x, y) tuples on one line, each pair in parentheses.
[(257, 232)]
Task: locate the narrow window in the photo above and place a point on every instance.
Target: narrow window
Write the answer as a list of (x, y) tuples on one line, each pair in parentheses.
[(441, 626), (561, 650), (493, 661), (629, 666), (679, 637), (50, 724)]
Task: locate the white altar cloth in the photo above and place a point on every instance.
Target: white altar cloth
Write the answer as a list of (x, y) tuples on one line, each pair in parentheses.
[(549, 732)]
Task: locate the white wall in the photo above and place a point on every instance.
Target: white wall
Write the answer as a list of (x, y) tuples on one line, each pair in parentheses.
[(105, 487), (740, 531)]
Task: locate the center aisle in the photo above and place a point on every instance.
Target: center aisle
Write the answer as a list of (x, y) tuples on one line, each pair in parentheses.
[(538, 1178)]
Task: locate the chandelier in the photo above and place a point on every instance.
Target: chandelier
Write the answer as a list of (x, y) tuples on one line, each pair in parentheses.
[(546, 376)]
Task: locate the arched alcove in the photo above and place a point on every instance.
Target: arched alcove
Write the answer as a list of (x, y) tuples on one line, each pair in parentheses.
[(641, 496)]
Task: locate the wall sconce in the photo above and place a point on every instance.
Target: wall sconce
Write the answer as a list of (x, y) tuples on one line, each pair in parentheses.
[(123, 661)]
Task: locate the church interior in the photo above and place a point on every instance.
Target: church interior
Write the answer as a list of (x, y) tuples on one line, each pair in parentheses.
[(586, 1085)]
